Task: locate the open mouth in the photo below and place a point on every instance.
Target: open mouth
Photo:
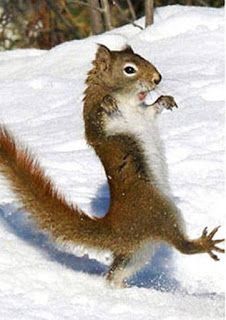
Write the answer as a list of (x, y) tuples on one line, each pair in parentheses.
[(142, 95)]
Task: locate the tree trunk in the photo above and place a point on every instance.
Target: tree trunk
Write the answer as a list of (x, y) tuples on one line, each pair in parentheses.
[(95, 17), (106, 13), (149, 12), (131, 9)]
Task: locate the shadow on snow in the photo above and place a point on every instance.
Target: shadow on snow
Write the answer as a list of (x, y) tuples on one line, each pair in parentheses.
[(156, 274)]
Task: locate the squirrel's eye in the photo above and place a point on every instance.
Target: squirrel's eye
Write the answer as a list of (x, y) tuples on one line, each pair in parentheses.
[(130, 70)]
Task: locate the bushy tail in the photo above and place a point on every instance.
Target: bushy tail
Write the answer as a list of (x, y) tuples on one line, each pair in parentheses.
[(38, 195)]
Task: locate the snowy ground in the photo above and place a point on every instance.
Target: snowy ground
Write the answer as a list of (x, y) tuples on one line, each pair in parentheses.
[(41, 101)]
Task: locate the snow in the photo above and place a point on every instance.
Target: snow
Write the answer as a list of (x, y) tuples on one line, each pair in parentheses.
[(41, 102)]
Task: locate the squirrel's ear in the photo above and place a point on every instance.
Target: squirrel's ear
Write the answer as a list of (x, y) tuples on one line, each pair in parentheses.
[(128, 49), (103, 57)]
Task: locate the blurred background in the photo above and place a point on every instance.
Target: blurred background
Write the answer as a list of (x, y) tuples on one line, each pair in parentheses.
[(46, 23)]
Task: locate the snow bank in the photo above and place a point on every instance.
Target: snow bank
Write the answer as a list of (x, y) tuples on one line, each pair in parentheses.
[(41, 102)]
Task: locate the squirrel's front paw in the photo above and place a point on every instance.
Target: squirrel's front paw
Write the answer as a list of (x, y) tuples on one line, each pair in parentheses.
[(208, 245), (109, 105), (165, 102)]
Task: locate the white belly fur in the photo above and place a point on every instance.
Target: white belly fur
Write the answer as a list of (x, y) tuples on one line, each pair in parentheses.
[(141, 122)]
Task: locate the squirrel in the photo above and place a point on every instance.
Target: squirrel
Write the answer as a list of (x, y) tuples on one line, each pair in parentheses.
[(123, 130)]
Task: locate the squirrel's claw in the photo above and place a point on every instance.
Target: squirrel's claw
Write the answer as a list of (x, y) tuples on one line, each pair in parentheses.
[(213, 256), (219, 249), (204, 233), (166, 102), (209, 245), (218, 241), (213, 232)]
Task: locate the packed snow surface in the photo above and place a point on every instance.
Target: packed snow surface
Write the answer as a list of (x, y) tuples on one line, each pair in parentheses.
[(41, 102)]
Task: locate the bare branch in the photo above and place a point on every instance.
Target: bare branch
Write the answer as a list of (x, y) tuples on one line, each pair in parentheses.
[(54, 7), (95, 17), (121, 11), (106, 12), (203, 3), (149, 12), (82, 3), (131, 9)]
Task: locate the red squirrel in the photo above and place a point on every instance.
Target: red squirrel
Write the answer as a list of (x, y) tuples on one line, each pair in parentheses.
[(123, 131)]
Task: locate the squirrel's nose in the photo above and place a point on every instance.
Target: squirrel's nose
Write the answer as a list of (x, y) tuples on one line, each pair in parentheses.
[(157, 78)]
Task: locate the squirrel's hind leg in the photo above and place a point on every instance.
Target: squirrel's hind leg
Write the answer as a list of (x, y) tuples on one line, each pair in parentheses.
[(124, 266), (117, 272)]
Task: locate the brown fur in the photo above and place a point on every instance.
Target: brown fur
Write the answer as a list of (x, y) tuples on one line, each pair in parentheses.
[(138, 211)]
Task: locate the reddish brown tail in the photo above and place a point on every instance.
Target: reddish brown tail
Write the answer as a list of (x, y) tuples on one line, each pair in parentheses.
[(37, 193)]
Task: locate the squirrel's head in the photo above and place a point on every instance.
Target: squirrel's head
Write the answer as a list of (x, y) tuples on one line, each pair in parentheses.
[(125, 71)]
